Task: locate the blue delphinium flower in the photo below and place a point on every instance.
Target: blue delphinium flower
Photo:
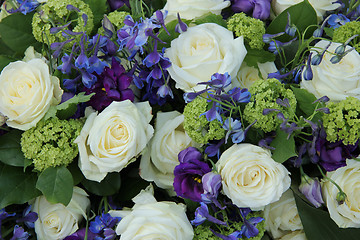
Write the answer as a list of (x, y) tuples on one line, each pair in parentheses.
[(234, 128), (19, 234), (337, 20), (25, 6)]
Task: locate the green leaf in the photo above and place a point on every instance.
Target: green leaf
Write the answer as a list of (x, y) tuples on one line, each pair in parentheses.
[(319, 226), (284, 148), (255, 56), (67, 108), (56, 183), (5, 60), (136, 9), (10, 149), (75, 172), (98, 8), (16, 32), (108, 186), (304, 100), (16, 186), (211, 18), (302, 15)]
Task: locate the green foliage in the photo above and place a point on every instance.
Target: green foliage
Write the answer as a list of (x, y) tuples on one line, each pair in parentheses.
[(51, 143), (67, 108), (250, 28), (255, 56), (10, 149), (198, 127), (305, 100), (107, 187), (343, 33), (319, 226), (56, 184), (284, 146), (302, 15), (264, 95), (16, 185), (15, 32), (343, 121), (98, 8), (54, 11), (210, 18)]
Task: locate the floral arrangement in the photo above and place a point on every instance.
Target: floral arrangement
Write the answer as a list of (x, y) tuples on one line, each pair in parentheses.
[(202, 119)]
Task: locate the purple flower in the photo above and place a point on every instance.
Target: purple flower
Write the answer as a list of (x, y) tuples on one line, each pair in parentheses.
[(260, 8), (333, 155), (234, 128), (116, 4), (211, 184), (80, 235), (188, 174), (19, 234), (311, 189), (202, 214), (112, 85)]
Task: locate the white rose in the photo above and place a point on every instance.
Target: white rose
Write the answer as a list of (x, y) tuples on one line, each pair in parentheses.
[(337, 81), (150, 219), (190, 9), (282, 217), (161, 157), (296, 235), (110, 140), (202, 51), (26, 92), (55, 221), (320, 6), (248, 75), (345, 215), (250, 177)]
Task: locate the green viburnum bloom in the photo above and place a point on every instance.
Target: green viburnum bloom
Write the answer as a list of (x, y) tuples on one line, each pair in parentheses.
[(117, 19), (54, 13), (198, 127), (343, 33), (264, 94), (343, 121), (250, 28), (50, 143)]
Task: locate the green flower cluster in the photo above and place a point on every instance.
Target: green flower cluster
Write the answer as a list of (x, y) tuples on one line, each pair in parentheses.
[(263, 96), (117, 19), (51, 143), (343, 121), (250, 28), (203, 232), (198, 127), (343, 33), (55, 14)]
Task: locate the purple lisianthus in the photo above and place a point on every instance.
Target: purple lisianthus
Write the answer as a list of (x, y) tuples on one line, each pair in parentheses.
[(112, 85), (211, 184), (333, 155), (188, 174), (311, 189), (260, 9)]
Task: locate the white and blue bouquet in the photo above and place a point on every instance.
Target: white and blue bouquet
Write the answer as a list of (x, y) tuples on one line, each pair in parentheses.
[(179, 119)]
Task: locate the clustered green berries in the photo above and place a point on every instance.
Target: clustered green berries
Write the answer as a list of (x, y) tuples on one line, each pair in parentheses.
[(343, 33), (343, 121), (263, 96), (250, 28), (51, 143), (198, 127), (55, 14)]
